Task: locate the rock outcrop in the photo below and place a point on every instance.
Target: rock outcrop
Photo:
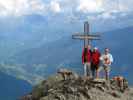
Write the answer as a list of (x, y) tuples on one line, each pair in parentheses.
[(67, 85)]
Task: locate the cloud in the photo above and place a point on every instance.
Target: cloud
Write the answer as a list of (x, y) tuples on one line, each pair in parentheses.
[(55, 7), (26, 7), (106, 15), (12, 7), (37, 6), (90, 6), (103, 8)]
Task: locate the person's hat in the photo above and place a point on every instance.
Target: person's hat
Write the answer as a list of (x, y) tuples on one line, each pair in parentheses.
[(95, 48)]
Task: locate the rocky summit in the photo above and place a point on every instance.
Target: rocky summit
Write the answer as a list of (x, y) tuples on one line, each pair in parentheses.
[(67, 85)]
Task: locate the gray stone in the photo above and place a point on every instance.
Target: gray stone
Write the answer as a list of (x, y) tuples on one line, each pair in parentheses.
[(76, 87)]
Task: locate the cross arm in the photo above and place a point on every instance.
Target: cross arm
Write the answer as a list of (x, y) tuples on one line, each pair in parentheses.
[(82, 34), (89, 37)]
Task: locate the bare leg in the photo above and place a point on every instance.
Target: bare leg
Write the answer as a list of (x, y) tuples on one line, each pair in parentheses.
[(107, 70), (97, 73), (107, 75)]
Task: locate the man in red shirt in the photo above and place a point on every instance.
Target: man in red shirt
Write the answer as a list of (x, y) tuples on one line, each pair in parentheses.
[(86, 60), (95, 62)]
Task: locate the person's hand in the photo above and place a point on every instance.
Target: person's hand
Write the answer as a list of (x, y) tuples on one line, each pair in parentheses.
[(108, 62)]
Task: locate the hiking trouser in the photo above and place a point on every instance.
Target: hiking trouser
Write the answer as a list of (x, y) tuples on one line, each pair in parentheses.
[(87, 69)]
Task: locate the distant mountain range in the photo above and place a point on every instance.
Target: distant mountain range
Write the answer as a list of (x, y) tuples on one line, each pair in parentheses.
[(42, 61), (12, 88)]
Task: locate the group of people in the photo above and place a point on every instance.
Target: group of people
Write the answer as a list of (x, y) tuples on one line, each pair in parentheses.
[(93, 59)]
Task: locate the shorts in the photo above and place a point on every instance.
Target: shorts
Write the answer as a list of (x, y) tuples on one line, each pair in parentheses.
[(94, 66), (107, 68)]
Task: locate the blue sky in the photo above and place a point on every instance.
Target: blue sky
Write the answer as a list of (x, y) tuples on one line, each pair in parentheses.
[(97, 12)]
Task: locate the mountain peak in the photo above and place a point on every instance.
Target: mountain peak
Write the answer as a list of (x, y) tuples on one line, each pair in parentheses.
[(67, 85)]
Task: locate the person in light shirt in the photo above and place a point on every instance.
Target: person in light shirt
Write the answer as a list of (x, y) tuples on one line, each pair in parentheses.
[(107, 60)]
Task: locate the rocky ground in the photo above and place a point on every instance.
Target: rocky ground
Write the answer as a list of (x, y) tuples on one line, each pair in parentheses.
[(66, 85)]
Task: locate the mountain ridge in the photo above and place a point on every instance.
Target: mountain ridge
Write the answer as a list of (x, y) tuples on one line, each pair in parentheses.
[(75, 87), (46, 59)]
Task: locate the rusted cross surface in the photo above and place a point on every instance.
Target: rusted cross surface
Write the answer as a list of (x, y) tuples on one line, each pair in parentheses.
[(86, 36)]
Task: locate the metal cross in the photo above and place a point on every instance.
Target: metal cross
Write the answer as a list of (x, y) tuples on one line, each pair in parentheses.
[(86, 36)]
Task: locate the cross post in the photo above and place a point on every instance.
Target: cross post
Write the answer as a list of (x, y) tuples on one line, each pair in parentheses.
[(86, 36)]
